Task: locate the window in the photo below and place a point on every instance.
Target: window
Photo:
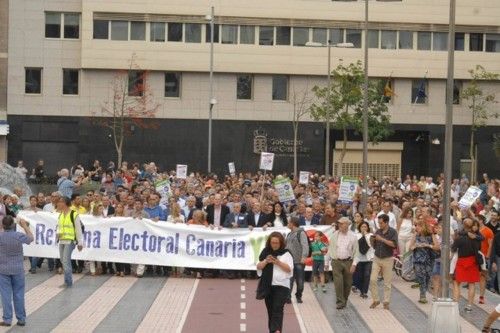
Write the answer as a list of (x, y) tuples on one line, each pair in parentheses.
[(457, 91), (336, 36), (157, 32), (388, 39), (419, 91), (353, 36), (280, 88), (208, 32), (406, 40), (300, 36), (70, 81), (476, 42), (229, 34), (373, 39), (193, 32), (135, 83), (459, 41), (137, 31), (423, 40), (266, 36), (33, 81), (71, 26), (119, 30), (247, 34), (172, 84), (440, 41), (283, 35), (101, 29), (244, 86), (52, 25), (175, 32), (319, 35), (492, 42)]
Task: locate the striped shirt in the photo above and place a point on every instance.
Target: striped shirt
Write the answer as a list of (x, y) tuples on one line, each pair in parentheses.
[(11, 252)]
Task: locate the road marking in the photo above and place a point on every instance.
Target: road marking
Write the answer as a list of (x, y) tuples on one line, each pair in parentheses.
[(299, 317), (243, 316), (243, 288), (243, 327), (243, 305), (242, 280), (188, 306), (243, 296)]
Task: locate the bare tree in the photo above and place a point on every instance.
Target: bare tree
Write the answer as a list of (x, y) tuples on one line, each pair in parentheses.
[(131, 105)]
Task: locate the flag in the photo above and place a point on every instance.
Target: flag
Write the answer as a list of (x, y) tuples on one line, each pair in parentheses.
[(421, 90), (388, 92)]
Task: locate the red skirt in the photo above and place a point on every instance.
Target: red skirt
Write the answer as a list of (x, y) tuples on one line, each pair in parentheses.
[(467, 270)]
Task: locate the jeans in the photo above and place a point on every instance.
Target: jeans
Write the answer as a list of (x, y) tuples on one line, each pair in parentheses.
[(298, 276), (33, 262), (275, 302), (361, 277), (65, 251), (12, 289), (423, 276)]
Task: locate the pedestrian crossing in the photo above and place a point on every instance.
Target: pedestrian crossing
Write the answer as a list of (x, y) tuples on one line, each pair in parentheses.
[(158, 304)]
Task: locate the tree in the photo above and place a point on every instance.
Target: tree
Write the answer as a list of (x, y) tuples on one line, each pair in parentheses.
[(301, 100), (479, 104), (344, 107), (131, 105)]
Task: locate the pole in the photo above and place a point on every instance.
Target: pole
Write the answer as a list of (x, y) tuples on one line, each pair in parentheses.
[(327, 120), (211, 97), (365, 114), (448, 156)]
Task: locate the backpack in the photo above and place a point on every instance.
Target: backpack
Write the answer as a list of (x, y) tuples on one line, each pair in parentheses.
[(308, 241), (72, 217)]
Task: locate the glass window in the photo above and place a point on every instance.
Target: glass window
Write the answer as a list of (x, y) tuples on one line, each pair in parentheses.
[(319, 35), (492, 42), (283, 35), (280, 87), (373, 39), (244, 86), (440, 41), (172, 84), (72, 26), (388, 39), (33, 81), (137, 31), (459, 41), (216, 33), (423, 40), (476, 42), (406, 40), (247, 34), (101, 29), (70, 81), (266, 36), (135, 83), (53, 25), (193, 32), (229, 34), (419, 91), (353, 36), (157, 32), (336, 36), (457, 91), (175, 32), (300, 36), (119, 30)]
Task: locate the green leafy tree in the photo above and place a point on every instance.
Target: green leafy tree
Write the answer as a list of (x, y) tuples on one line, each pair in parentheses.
[(342, 105), (479, 102)]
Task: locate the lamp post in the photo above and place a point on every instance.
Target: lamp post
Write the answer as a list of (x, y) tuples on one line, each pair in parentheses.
[(364, 194), (328, 80), (212, 100)]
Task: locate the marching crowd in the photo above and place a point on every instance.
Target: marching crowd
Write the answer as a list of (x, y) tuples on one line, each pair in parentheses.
[(402, 217)]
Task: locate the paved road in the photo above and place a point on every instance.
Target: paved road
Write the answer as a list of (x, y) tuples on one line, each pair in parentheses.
[(185, 305)]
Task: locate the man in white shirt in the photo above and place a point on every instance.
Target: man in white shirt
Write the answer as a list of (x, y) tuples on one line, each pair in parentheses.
[(21, 170), (386, 209), (52, 205)]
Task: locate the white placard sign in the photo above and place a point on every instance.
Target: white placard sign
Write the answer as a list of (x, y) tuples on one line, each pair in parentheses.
[(266, 161), (470, 197), (347, 189), (304, 177), (182, 171), (232, 168)]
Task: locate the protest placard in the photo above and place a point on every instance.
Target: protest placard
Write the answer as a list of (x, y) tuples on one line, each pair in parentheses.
[(232, 168), (266, 161), (284, 189), (347, 189), (470, 197), (304, 177), (181, 171)]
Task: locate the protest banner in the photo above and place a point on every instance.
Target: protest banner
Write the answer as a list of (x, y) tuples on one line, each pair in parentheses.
[(304, 177), (134, 241), (347, 189), (266, 161), (232, 168), (284, 189), (163, 188), (470, 197), (181, 171)]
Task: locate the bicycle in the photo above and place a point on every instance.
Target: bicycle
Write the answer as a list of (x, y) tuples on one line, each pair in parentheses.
[(403, 267)]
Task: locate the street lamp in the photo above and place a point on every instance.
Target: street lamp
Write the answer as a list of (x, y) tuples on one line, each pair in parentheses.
[(327, 117), (212, 100)]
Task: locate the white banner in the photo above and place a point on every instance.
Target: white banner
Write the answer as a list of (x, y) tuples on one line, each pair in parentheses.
[(304, 177), (181, 171), (128, 240), (266, 161), (470, 197), (347, 189)]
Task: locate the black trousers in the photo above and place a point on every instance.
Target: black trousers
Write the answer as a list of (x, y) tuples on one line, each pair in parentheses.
[(275, 302), (125, 268), (361, 277)]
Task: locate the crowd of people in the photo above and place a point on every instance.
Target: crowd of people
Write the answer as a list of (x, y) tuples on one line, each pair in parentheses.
[(401, 216)]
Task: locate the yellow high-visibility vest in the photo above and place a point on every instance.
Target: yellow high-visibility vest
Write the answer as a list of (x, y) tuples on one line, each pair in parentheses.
[(66, 227)]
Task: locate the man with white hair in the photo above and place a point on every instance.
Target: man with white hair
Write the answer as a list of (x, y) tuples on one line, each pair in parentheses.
[(65, 186)]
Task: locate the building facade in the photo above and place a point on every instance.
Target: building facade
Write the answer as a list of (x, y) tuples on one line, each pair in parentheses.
[(65, 56)]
